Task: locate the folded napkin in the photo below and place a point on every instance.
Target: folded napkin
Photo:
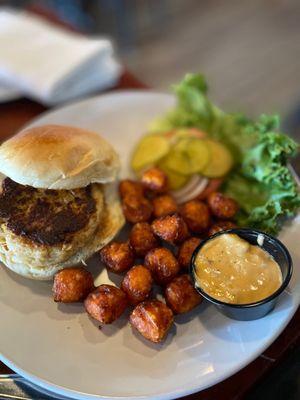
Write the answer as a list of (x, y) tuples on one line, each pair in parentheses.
[(50, 64)]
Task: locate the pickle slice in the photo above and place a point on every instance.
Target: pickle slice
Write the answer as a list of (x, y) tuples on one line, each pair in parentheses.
[(221, 160), (177, 162), (199, 154), (176, 181), (149, 151), (188, 156)]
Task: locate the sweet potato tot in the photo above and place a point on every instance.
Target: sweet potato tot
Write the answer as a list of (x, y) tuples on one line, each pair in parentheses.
[(106, 303), (164, 205), (221, 226), (181, 296), (137, 284), (196, 215), (118, 257), (142, 239), (136, 209), (186, 251), (221, 206), (127, 187), (155, 180), (152, 319), (171, 228), (72, 285), (162, 265)]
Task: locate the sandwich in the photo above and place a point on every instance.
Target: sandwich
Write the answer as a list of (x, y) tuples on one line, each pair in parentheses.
[(58, 199)]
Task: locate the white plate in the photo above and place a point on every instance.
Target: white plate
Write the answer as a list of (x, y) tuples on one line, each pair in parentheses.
[(8, 94), (59, 348)]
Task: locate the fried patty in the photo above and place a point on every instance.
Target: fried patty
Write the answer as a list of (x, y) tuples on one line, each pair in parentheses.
[(47, 227), (45, 217)]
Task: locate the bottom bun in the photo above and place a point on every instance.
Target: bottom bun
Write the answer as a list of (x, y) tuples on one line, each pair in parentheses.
[(110, 224)]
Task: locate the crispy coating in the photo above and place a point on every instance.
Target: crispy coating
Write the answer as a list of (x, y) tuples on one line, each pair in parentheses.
[(152, 319), (137, 284), (128, 187), (181, 296), (155, 180), (212, 186), (186, 251), (136, 209), (162, 265), (45, 217), (72, 285), (170, 228), (222, 207), (221, 226), (196, 215), (106, 303), (164, 205), (118, 257), (142, 239)]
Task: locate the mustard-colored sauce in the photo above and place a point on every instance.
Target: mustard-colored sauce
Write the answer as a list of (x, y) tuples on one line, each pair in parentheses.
[(232, 270)]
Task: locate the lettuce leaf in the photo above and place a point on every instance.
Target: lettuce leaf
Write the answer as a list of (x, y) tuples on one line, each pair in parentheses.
[(261, 181)]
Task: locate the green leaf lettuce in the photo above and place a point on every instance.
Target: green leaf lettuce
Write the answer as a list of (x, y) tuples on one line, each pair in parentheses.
[(261, 181)]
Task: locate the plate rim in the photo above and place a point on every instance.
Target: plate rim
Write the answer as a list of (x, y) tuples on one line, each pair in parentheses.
[(74, 394)]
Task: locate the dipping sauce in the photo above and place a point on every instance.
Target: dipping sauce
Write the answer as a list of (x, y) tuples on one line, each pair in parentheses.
[(232, 270)]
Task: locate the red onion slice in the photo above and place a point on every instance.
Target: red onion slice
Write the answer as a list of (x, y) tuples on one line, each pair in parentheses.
[(191, 189)]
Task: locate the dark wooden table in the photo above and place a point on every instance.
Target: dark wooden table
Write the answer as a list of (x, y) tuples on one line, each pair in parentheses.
[(14, 115)]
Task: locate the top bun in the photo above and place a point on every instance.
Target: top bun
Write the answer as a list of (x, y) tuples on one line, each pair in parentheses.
[(58, 157)]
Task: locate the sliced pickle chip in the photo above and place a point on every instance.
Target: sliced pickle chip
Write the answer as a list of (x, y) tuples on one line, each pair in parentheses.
[(176, 181), (149, 151), (220, 162), (188, 156), (178, 162), (199, 154)]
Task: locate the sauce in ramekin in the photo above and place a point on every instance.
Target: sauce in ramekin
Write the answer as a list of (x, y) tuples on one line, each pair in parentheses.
[(230, 269)]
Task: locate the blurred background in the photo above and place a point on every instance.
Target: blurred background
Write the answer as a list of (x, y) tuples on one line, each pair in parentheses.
[(249, 50)]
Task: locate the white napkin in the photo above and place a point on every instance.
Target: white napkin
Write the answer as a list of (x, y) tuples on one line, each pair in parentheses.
[(50, 64)]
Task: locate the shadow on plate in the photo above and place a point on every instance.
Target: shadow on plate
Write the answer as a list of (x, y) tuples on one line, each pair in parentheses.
[(185, 318), (234, 331), (142, 344), (34, 296), (141, 348), (41, 288), (115, 278), (70, 308), (95, 332)]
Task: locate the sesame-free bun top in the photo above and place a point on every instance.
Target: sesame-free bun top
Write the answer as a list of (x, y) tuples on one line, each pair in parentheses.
[(58, 157)]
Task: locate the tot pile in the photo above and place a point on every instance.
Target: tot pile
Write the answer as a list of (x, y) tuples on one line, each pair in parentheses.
[(161, 242)]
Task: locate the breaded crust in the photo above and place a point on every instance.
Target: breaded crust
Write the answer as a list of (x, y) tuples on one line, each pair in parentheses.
[(42, 262), (45, 217)]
